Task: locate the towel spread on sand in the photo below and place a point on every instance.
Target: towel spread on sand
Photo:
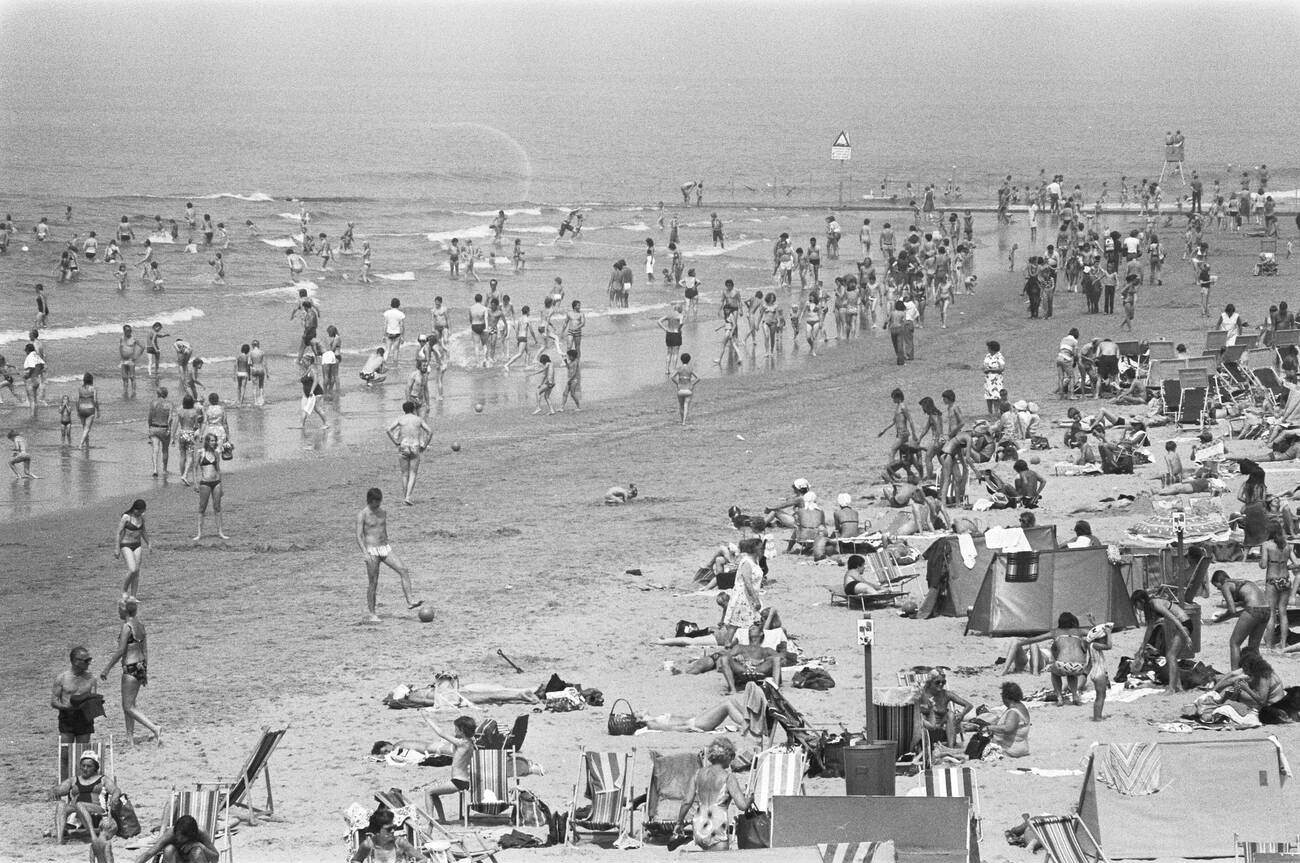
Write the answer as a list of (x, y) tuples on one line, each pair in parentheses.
[(1132, 769), (966, 545), (1007, 539)]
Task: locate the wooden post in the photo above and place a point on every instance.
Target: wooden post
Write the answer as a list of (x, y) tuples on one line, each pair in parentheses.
[(866, 626)]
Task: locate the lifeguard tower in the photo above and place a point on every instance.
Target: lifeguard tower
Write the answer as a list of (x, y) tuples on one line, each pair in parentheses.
[(1174, 152)]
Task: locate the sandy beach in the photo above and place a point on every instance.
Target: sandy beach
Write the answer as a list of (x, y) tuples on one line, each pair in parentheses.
[(511, 543)]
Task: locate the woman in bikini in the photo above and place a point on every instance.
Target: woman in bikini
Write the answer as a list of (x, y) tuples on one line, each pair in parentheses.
[(671, 324), (131, 543), (1069, 657), (685, 379), (1277, 558), (133, 651), (209, 487), (770, 318), (937, 709), (712, 790), (934, 428), (87, 406), (1173, 622)]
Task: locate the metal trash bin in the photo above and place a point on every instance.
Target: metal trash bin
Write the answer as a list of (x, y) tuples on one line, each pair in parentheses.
[(869, 768)]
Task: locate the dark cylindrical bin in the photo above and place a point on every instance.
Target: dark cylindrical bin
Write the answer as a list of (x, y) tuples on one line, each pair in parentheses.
[(1193, 611), (869, 768)]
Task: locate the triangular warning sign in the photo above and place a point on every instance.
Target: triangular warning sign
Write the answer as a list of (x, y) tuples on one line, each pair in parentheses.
[(841, 141)]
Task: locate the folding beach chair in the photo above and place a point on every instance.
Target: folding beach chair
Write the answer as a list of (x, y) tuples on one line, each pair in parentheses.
[(886, 566), (1248, 341), (1274, 392), (209, 805), (1060, 840), (492, 787), (1216, 340), (1160, 350), (670, 780), (778, 772), (424, 832), (1131, 349), (69, 757), (864, 602), (902, 724), (605, 779), (1265, 852), (955, 782), (1192, 404), (1171, 396), (780, 712), (259, 761)]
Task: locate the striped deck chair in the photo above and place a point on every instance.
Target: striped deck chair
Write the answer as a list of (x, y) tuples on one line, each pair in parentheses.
[(670, 781), (797, 730), (605, 778), (492, 787), (258, 763), (1060, 840), (902, 724), (956, 782), (778, 772), (858, 852), (1265, 852), (424, 832), (209, 805), (69, 756)]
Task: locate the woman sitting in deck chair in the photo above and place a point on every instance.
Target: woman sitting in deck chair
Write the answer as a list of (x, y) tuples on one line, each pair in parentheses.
[(89, 795)]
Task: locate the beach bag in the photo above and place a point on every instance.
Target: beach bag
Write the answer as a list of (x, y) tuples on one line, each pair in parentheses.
[(621, 724), (128, 825), (558, 829), (1227, 552), (227, 451), (488, 735), (813, 678), (532, 811), (978, 742), (753, 830)]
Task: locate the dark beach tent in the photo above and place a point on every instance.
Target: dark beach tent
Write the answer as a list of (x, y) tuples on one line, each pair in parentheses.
[(1207, 790), (953, 586), (1023, 593)]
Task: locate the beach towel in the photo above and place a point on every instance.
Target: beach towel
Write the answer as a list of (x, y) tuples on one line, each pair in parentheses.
[(756, 709), (1069, 468), (1006, 539), (1283, 765), (858, 852), (966, 545), (1131, 769)]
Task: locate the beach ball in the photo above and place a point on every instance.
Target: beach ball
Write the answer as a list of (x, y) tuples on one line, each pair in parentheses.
[(1033, 459), (478, 407), (455, 447), (426, 614)]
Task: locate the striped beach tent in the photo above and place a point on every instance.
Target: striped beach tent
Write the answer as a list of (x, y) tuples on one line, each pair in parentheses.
[(858, 852)]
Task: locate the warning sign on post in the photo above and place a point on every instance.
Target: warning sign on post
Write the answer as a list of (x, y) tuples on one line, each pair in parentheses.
[(841, 150), (866, 632)]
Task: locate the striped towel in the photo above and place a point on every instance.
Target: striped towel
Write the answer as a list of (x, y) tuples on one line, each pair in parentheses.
[(1132, 769), (858, 852)]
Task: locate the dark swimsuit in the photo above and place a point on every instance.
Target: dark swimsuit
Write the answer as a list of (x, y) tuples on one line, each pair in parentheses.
[(204, 461), (138, 670)]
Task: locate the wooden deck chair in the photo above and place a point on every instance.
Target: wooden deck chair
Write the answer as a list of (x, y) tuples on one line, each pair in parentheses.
[(864, 601), (1249, 341), (209, 805), (492, 787), (1286, 338), (1171, 395), (1275, 393), (1216, 340), (1060, 840), (1130, 349), (1160, 350), (604, 778), (955, 782), (1260, 358), (778, 772), (856, 852), (424, 832), (69, 756), (259, 762), (1246, 851), (1192, 406), (902, 724), (670, 780)]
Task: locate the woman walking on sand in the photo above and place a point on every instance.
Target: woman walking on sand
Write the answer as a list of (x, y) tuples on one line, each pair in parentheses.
[(131, 543), (87, 406), (133, 651), (994, 365)]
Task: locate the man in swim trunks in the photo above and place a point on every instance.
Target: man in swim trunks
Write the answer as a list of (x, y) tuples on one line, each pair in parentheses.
[(411, 436), (129, 350), (574, 320), (743, 663), (372, 538), (71, 689), (162, 420), (257, 371), (1249, 601), (478, 328), (151, 346), (310, 321), (394, 328)]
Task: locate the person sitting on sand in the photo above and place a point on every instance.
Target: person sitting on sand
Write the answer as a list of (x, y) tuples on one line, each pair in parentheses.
[(783, 513), (745, 662), (1010, 731), (377, 842), (1069, 656), (809, 534), (1029, 485), (462, 744), (183, 843), (937, 712), (711, 792), (1083, 537), (1255, 684), (927, 513), (617, 495)]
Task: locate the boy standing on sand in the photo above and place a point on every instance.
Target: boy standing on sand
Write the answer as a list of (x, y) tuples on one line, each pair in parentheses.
[(372, 538), (573, 386)]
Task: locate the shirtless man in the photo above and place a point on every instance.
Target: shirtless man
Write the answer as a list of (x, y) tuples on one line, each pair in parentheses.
[(411, 436), (1248, 601), (742, 663), (439, 314), (257, 372), (71, 688), (904, 429), (151, 346), (20, 455), (129, 350), (478, 329), (375, 370), (310, 321), (296, 264), (574, 320), (162, 420), (372, 538)]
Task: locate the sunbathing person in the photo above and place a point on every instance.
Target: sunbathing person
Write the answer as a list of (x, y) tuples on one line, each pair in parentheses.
[(438, 753), (783, 513), (711, 792), (1285, 447), (1195, 485), (746, 710), (183, 843), (847, 519), (1069, 656), (856, 580), (937, 713), (1247, 601), (927, 513), (896, 494), (79, 794), (379, 844), (743, 663)]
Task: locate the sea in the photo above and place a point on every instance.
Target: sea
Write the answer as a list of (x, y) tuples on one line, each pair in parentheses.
[(417, 122)]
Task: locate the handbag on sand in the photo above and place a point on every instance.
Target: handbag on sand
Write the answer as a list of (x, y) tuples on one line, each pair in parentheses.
[(621, 724)]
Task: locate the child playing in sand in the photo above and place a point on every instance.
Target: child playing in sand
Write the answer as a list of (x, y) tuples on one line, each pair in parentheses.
[(547, 383), (1097, 640), (1173, 464)]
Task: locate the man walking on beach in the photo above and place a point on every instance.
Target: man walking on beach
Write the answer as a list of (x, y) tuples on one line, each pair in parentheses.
[(394, 328), (411, 436), (162, 416), (372, 537)]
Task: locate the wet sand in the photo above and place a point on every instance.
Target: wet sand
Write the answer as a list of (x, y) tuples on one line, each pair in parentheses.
[(511, 542)]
